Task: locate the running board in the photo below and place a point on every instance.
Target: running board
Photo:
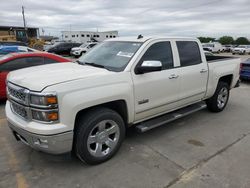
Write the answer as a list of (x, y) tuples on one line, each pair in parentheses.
[(161, 120)]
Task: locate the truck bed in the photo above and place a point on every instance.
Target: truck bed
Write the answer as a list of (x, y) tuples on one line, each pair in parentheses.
[(220, 66), (212, 59)]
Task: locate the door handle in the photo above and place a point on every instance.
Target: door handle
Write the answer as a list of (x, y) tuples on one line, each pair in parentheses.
[(173, 76), (203, 70)]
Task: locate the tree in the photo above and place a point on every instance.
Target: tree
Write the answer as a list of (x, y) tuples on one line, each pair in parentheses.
[(242, 40), (206, 39), (226, 40)]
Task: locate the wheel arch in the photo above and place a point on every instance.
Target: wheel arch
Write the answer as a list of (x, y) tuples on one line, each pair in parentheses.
[(119, 106), (227, 79)]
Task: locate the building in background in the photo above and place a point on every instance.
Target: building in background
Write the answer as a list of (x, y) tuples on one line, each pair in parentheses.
[(17, 33), (88, 36)]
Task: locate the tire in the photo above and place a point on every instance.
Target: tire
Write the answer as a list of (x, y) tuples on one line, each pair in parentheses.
[(233, 53), (219, 100), (99, 135)]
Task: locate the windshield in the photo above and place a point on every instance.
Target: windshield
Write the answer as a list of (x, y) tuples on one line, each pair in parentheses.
[(113, 55)]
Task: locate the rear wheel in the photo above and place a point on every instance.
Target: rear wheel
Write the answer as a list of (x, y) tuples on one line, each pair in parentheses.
[(99, 135), (219, 100)]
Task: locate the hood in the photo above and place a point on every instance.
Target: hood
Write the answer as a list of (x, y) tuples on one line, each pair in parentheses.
[(39, 77)]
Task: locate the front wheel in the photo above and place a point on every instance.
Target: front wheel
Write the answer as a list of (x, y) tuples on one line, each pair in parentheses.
[(219, 100), (99, 135)]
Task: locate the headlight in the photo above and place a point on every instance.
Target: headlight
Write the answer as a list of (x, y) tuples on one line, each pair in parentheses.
[(45, 100), (44, 107), (45, 115)]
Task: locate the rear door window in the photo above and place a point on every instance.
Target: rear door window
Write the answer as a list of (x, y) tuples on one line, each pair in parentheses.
[(189, 53)]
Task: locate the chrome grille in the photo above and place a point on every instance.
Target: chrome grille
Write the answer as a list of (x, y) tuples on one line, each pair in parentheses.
[(19, 110), (17, 93)]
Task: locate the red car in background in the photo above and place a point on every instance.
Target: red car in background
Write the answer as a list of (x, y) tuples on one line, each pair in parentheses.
[(16, 61)]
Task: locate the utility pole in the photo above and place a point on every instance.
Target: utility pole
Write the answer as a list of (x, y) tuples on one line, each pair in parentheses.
[(24, 22)]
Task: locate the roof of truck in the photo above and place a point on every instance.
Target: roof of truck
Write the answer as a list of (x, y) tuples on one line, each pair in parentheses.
[(143, 38)]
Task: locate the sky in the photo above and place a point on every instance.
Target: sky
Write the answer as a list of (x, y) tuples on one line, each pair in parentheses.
[(194, 18)]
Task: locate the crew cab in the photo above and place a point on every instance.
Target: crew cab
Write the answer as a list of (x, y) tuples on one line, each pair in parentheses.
[(145, 82)]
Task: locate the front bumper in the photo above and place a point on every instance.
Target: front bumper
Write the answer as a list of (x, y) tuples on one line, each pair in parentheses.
[(53, 144), (53, 139)]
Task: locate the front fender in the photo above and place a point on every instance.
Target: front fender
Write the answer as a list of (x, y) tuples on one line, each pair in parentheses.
[(76, 101)]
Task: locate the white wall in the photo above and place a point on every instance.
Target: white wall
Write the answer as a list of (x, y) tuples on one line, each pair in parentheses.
[(85, 36)]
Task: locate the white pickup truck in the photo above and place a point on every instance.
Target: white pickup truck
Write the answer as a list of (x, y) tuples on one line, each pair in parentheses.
[(86, 106)]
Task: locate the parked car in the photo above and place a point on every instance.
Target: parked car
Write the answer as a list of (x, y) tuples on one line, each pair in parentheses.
[(245, 70), (241, 49), (122, 82), (12, 49), (214, 47), (16, 61), (62, 48), (78, 51), (228, 48), (17, 43)]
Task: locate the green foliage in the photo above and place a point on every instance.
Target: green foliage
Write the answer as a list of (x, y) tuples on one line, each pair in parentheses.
[(206, 39), (226, 40), (242, 40)]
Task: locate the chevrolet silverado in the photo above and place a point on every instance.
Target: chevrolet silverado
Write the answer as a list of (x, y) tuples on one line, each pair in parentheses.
[(86, 107)]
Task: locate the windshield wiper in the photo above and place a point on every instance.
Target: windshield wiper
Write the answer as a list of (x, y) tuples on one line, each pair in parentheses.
[(95, 65), (92, 64)]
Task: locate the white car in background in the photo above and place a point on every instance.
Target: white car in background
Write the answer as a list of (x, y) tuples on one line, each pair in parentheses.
[(78, 51), (214, 47), (241, 49)]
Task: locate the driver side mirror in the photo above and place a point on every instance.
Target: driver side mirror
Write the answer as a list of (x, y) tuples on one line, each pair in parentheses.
[(149, 66)]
